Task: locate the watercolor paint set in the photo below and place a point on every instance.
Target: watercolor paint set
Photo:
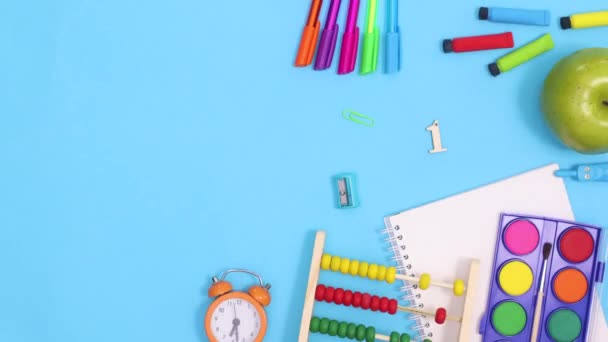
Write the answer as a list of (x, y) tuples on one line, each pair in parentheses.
[(544, 278)]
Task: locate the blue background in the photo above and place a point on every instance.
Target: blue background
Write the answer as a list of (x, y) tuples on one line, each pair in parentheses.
[(147, 146)]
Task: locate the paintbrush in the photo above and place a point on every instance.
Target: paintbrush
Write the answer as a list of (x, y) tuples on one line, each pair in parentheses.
[(541, 292)]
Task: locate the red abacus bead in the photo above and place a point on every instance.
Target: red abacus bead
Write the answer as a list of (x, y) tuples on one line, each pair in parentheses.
[(375, 304), (329, 294), (357, 299), (366, 300), (348, 298), (384, 304), (392, 306), (440, 316), (339, 296), (320, 293)]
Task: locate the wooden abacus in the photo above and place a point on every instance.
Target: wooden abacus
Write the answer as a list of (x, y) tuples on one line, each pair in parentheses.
[(366, 301)]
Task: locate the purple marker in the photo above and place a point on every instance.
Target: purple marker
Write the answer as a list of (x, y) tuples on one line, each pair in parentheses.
[(329, 37), (350, 40)]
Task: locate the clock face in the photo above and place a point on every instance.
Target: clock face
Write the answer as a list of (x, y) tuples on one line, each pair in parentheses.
[(235, 320)]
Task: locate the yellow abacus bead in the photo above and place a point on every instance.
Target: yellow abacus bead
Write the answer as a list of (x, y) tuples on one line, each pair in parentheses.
[(325, 261), (458, 287), (345, 265), (372, 271), (391, 274), (363, 269), (381, 276), (335, 263), (425, 281), (354, 268)]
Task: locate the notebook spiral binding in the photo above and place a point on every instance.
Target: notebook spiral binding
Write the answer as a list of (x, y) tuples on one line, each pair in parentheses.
[(397, 247)]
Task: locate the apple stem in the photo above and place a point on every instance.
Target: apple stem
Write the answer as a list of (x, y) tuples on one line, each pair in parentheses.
[(605, 102)]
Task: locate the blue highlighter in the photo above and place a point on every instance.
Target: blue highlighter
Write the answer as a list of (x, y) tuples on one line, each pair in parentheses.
[(586, 173), (515, 16), (392, 46)]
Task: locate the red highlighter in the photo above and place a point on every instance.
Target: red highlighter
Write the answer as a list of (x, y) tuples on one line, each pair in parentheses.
[(478, 43)]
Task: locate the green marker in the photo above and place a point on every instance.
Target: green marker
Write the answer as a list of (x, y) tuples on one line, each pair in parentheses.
[(522, 55), (371, 40)]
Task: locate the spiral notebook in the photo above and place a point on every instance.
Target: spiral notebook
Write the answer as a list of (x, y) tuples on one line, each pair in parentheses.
[(442, 237)]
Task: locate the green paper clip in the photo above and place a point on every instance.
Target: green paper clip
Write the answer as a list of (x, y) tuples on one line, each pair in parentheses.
[(358, 118), (371, 41)]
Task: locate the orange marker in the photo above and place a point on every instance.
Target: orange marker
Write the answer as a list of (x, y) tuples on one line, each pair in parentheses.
[(308, 42)]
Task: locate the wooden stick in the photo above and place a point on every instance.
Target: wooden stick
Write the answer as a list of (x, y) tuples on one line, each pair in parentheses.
[(466, 327), (382, 337), (417, 280), (313, 279), (426, 313)]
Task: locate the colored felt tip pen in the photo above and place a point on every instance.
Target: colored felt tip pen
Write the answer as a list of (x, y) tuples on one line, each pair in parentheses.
[(478, 43), (585, 20), (350, 40), (522, 55), (586, 173), (371, 40), (392, 51), (515, 16), (327, 46), (308, 42)]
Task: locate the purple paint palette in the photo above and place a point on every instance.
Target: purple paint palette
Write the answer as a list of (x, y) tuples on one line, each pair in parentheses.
[(573, 268)]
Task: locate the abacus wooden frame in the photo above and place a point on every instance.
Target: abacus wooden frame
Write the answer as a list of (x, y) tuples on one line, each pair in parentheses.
[(466, 331)]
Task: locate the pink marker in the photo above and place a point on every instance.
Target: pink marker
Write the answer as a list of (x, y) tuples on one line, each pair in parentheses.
[(350, 40)]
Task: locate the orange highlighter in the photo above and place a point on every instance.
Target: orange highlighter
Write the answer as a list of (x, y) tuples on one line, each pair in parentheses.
[(308, 43)]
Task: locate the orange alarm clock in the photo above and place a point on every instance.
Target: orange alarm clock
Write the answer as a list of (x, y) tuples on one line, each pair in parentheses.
[(237, 316)]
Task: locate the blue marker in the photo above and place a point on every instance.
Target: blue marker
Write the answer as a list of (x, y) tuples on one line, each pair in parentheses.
[(392, 53), (515, 16), (587, 173)]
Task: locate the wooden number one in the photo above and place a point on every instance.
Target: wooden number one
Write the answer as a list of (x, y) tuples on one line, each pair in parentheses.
[(436, 135)]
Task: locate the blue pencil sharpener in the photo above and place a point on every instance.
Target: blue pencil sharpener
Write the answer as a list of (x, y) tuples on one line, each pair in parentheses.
[(346, 190)]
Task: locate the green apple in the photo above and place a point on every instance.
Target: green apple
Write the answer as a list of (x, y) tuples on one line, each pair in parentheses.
[(575, 100)]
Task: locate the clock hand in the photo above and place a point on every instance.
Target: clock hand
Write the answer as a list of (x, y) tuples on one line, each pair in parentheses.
[(235, 323), (235, 326)]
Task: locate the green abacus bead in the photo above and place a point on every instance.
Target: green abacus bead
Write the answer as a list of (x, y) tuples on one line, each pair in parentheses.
[(394, 337), (406, 338), (360, 332), (324, 326), (314, 325), (351, 331), (342, 328), (370, 334), (427, 340), (333, 328)]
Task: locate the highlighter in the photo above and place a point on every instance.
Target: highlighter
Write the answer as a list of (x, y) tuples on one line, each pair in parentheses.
[(371, 40), (392, 49), (522, 55), (329, 37), (350, 40), (585, 20), (308, 42), (586, 173), (515, 16), (478, 43)]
